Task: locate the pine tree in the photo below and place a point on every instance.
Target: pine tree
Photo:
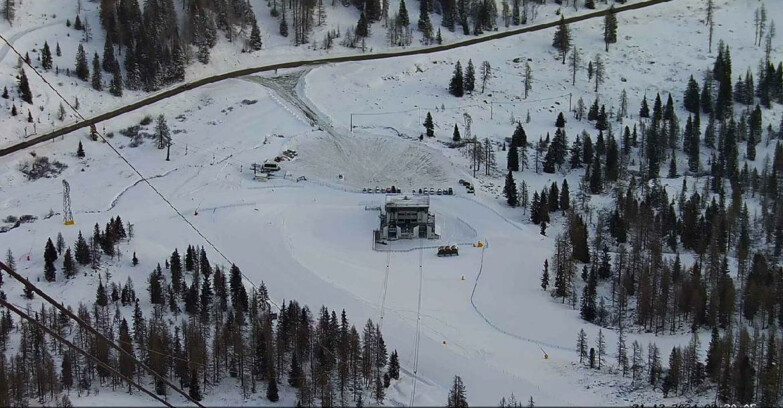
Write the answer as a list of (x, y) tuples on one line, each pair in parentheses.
[(115, 85), (50, 255), (429, 125), (456, 86), (402, 17), (57, 50), (46, 57), (457, 397), (271, 389), (101, 298), (24, 88), (69, 265), (194, 390), (562, 39), (394, 366), (470, 77), (80, 150), (644, 111), (610, 27), (82, 251), (510, 190), (362, 27), (672, 167), (565, 197), (545, 275), (135, 260), (255, 42), (596, 184), (82, 69), (512, 162)]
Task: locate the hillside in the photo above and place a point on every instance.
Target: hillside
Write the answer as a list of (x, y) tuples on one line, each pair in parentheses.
[(306, 232)]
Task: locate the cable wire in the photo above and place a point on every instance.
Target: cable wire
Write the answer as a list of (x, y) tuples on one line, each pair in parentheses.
[(52, 333), (92, 330)]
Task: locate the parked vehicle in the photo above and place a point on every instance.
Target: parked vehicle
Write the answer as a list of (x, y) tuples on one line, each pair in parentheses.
[(377, 189), (451, 191), (364, 189), (270, 167), (462, 182), (440, 191), (448, 250), (432, 191), (419, 191)]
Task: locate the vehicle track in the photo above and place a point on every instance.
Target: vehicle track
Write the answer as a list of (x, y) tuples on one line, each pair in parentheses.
[(308, 63)]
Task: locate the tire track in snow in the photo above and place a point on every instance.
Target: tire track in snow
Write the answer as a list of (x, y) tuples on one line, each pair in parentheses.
[(116, 198), (496, 327), (12, 39)]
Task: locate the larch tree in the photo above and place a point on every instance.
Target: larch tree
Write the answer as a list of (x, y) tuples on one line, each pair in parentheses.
[(600, 72), (574, 62)]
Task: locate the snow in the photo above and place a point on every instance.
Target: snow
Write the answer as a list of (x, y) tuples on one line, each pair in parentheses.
[(483, 315), (35, 23)]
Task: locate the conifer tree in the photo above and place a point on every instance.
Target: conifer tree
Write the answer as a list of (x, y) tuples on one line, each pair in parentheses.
[(69, 265), (456, 86), (46, 57), (57, 50), (24, 88), (255, 42), (82, 251), (581, 345), (50, 255), (596, 184), (429, 125), (457, 396), (271, 389), (565, 197), (402, 17), (510, 190), (691, 98), (82, 70), (194, 390), (470, 77), (545, 275), (362, 26), (101, 298), (512, 162), (610, 27), (562, 39), (115, 85), (644, 111)]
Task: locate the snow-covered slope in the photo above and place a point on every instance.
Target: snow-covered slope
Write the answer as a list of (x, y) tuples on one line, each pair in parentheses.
[(482, 314)]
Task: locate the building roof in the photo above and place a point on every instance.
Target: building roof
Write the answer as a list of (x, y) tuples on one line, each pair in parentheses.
[(403, 201)]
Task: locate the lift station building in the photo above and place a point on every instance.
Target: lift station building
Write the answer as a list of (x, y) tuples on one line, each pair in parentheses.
[(406, 217)]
